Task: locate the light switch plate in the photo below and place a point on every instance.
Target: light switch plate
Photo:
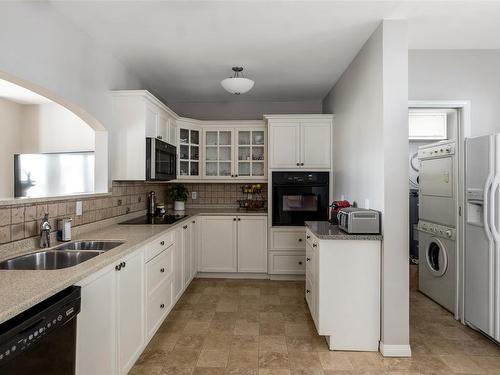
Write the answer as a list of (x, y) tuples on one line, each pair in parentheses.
[(78, 208), (194, 195)]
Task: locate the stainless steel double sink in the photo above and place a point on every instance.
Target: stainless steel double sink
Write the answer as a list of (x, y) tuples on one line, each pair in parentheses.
[(63, 256)]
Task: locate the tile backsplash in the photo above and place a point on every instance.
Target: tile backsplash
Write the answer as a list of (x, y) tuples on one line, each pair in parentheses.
[(21, 221)]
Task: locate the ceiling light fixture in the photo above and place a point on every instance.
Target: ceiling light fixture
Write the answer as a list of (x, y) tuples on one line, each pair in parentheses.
[(237, 84)]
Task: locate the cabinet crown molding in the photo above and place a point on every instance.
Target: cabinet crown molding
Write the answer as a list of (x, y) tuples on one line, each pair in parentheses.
[(299, 116)]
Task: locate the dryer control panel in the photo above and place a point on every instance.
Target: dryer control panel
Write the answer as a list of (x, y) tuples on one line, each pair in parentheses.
[(440, 150), (437, 230)]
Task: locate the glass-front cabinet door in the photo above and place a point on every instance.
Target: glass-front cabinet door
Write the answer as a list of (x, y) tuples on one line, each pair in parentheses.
[(218, 153), (189, 153), (250, 153)]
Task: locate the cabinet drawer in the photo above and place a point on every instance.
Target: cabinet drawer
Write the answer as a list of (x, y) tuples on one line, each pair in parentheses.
[(282, 263), (157, 246), (159, 268), (288, 239), (159, 304)]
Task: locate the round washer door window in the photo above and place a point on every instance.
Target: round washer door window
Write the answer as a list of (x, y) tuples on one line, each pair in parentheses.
[(437, 259)]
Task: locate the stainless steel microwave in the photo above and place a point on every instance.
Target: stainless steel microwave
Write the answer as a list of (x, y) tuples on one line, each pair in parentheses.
[(161, 160)]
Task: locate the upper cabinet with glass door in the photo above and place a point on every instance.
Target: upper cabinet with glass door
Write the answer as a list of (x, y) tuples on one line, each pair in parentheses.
[(250, 154), (189, 152), (218, 153)]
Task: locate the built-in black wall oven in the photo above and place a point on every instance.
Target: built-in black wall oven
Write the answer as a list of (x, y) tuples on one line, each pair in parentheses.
[(161, 160), (299, 196)]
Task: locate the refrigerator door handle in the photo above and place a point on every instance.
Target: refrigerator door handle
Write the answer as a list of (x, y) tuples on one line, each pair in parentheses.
[(486, 207), (492, 212)]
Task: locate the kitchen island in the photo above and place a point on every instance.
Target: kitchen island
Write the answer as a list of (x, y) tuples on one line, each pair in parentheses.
[(343, 286)]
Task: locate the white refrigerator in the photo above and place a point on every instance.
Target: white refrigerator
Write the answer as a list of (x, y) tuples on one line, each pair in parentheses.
[(482, 234)]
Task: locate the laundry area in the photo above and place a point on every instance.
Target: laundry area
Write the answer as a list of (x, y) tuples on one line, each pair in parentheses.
[(453, 195)]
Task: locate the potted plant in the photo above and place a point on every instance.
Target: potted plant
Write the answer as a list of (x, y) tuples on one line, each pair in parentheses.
[(179, 194)]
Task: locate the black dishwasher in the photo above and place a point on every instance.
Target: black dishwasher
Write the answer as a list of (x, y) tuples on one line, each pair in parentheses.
[(42, 339)]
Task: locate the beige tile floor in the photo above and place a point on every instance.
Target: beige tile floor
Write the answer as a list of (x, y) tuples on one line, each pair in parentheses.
[(262, 327)]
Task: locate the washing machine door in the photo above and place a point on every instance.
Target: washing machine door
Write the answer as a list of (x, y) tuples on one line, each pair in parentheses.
[(436, 257)]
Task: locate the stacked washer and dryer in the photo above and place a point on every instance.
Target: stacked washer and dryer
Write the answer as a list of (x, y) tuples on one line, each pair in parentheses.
[(437, 272)]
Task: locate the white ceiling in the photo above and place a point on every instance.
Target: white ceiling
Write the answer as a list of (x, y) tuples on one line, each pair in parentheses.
[(18, 94), (293, 50)]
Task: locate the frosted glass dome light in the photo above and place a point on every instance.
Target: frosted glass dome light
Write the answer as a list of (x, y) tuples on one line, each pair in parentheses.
[(237, 84)]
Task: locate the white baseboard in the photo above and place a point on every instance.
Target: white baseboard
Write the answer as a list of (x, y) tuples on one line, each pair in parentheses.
[(395, 350), (287, 277), (232, 275)]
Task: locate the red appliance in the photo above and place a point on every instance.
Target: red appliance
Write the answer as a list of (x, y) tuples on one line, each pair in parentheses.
[(334, 208)]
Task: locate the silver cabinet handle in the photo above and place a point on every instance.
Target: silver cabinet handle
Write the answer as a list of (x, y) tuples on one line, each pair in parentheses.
[(308, 259), (308, 291), (308, 237), (162, 243), (315, 245)]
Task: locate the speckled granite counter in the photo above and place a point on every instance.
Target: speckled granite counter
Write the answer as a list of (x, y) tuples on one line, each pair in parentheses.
[(19, 290), (325, 231)]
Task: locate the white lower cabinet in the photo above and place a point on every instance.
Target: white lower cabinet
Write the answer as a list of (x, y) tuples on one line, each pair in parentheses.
[(110, 329), (252, 244), (218, 244), (130, 310), (233, 244), (343, 291), (287, 247), (96, 325)]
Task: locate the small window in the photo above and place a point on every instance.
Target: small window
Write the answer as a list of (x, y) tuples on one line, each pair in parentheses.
[(427, 126)]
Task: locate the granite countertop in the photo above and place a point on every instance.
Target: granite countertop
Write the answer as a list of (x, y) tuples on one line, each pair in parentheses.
[(20, 290), (326, 231)]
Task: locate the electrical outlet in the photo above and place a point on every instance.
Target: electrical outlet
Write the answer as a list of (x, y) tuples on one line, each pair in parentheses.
[(367, 203), (194, 195), (78, 208)]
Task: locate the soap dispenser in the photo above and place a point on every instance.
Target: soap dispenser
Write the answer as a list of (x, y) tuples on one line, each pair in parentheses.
[(64, 229)]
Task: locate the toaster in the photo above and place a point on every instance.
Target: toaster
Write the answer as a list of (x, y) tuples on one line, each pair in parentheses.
[(359, 220)]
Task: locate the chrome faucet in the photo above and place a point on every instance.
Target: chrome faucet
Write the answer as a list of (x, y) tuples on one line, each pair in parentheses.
[(45, 232)]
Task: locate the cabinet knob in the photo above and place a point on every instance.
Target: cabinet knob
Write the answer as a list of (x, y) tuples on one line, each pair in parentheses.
[(118, 267), (300, 262), (185, 227), (124, 264), (194, 222), (308, 259), (308, 237), (308, 291), (234, 219), (162, 306), (298, 164), (235, 175), (162, 270), (315, 245), (162, 243), (239, 219), (302, 164), (300, 239), (232, 175)]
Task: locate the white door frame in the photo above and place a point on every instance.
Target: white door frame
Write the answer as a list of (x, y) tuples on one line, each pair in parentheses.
[(463, 131)]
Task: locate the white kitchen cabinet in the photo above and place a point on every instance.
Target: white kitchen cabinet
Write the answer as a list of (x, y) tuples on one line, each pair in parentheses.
[(250, 153), (178, 259), (96, 325), (284, 145), (130, 310), (343, 291), (316, 144), (218, 153), (110, 330), (252, 244), (189, 151), (136, 115), (218, 244), (300, 142)]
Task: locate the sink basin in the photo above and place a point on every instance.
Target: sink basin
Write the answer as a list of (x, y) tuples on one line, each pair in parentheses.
[(63, 256), (89, 245)]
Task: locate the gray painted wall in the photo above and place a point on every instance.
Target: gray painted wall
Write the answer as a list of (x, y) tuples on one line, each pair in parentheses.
[(459, 75), (370, 105), (243, 110)]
